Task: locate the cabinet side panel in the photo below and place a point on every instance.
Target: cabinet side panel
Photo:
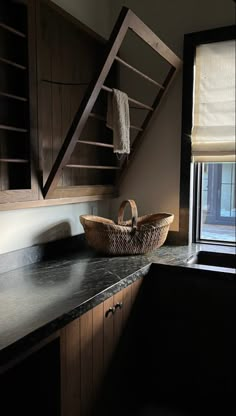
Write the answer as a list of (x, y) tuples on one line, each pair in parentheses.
[(118, 303), (127, 305), (98, 344), (70, 369), (86, 356), (108, 332)]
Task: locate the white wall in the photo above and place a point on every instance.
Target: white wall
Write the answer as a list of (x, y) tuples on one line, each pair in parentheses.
[(26, 227), (153, 179), (23, 228)]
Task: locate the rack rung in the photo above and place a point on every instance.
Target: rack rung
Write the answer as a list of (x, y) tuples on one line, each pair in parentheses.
[(139, 72), (101, 118), (15, 97), (131, 100), (96, 143), (97, 116), (12, 128), (92, 167), (12, 30), (8, 62), (136, 128), (14, 160)]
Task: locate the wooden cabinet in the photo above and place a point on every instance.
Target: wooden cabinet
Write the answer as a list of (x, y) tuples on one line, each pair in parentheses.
[(88, 345), (55, 79), (47, 60), (65, 373)]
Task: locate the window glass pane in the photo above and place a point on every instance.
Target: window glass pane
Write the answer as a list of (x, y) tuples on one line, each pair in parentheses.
[(218, 209)]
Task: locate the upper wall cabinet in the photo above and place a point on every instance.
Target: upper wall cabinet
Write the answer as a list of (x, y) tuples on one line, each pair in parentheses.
[(18, 110), (55, 79)]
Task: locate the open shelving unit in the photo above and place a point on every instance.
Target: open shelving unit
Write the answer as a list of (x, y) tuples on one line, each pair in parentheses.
[(16, 182)]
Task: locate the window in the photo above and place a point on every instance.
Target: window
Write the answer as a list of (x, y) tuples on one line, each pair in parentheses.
[(216, 208), (208, 134)]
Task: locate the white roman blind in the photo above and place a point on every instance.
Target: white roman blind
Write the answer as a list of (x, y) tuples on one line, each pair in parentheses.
[(213, 132)]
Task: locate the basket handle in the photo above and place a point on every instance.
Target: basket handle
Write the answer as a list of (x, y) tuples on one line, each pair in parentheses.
[(134, 211)]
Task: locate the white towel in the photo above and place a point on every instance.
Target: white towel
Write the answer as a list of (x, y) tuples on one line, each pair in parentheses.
[(118, 120)]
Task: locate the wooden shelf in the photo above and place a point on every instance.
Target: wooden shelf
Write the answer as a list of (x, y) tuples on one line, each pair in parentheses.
[(12, 128), (14, 97), (12, 30), (16, 65), (96, 143), (14, 160), (92, 167)]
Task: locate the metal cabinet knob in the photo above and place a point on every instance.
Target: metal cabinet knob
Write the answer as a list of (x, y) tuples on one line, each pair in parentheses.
[(118, 305), (110, 310)]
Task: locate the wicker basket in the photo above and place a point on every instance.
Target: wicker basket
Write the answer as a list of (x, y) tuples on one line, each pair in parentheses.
[(137, 236)]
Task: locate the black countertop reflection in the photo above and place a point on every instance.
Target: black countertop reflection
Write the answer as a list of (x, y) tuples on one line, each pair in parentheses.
[(38, 299)]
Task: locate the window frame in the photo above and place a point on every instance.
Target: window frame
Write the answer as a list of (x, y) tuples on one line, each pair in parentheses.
[(189, 226)]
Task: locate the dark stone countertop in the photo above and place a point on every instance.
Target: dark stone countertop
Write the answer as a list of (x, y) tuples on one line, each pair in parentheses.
[(38, 299)]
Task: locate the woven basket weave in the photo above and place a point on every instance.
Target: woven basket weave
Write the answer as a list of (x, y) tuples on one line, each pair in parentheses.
[(137, 236)]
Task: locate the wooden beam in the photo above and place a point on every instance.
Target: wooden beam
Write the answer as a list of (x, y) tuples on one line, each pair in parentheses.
[(88, 102), (86, 190), (149, 37)]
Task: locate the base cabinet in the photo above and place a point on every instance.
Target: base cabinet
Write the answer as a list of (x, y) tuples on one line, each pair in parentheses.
[(64, 375), (88, 347)]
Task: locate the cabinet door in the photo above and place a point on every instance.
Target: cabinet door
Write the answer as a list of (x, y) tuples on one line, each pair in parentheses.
[(87, 347)]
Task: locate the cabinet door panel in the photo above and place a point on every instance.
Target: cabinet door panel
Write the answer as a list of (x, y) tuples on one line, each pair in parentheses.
[(118, 304), (86, 361), (70, 369), (135, 288), (98, 342), (108, 332), (87, 347), (127, 305)]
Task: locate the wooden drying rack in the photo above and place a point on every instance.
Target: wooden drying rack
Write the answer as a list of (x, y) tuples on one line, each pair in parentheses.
[(127, 20)]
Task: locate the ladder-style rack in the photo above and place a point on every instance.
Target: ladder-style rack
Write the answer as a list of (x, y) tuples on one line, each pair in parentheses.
[(127, 20)]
